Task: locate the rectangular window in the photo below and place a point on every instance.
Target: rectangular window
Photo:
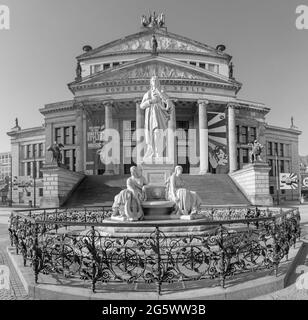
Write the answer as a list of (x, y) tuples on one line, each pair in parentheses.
[(271, 164), (202, 65), (244, 134), (245, 155), (74, 159), (34, 173), (28, 194), (211, 67), (41, 192), (34, 150), (287, 166), (281, 166), (28, 151), (276, 148), (74, 135), (272, 190), (116, 64), (192, 63), (66, 135), (97, 68), (41, 150), (58, 135), (106, 66), (269, 148), (238, 134), (67, 158), (252, 134), (281, 150), (28, 173), (40, 168)]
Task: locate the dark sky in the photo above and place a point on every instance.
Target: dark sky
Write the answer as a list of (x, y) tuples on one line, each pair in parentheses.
[(37, 55)]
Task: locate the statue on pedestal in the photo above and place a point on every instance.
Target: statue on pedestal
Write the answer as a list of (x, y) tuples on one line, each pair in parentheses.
[(56, 148), (255, 152), (127, 204), (187, 202), (158, 107)]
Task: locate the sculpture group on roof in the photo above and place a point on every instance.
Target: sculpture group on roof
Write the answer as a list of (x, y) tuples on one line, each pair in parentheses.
[(153, 20)]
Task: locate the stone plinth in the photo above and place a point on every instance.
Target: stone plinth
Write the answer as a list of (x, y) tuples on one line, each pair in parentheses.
[(253, 181), (157, 174), (58, 183)]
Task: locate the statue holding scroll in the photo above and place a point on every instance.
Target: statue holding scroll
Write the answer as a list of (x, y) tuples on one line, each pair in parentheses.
[(158, 107)]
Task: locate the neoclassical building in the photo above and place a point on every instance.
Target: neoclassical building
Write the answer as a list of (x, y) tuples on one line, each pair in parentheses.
[(214, 124)]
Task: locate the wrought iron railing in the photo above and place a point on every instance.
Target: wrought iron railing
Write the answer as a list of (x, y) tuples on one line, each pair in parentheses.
[(75, 243)]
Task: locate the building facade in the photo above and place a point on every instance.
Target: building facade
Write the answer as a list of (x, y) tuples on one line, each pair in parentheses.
[(211, 128), (28, 157)]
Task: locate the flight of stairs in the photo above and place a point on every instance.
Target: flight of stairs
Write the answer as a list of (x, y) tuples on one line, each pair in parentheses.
[(214, 189)]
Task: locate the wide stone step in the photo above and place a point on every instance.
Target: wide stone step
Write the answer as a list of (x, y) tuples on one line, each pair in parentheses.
[(213, 190)]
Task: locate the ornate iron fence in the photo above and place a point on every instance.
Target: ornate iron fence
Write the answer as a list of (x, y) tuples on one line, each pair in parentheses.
[(74, 243)]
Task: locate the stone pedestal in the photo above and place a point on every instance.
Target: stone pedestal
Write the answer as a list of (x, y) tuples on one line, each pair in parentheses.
[(58, 185), (157, 174), (253, 181)]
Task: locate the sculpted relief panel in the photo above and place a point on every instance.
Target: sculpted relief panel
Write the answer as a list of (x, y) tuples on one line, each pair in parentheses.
[(164, 43), (149, 70)]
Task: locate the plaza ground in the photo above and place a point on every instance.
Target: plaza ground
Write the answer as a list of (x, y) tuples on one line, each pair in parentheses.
[(17, 291)]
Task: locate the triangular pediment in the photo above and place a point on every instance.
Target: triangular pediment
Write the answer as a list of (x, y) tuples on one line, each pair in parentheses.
[(141, 42), (162, 67)]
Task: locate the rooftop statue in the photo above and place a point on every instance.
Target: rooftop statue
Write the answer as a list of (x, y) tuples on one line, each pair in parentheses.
[(153, 20), (158, 108), (255, 152)]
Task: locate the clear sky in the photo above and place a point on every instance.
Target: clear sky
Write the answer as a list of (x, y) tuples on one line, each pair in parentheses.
[(37, 55)]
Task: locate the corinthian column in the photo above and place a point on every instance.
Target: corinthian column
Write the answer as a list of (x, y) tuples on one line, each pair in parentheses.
[(139, 127), (108, 125), (203, 137), (171, 137), (232, 138)]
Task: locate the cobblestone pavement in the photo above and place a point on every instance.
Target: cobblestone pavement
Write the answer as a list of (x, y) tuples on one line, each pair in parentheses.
[(17, 291)]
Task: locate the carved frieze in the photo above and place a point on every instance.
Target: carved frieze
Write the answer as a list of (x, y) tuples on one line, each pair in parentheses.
[(164, 43)]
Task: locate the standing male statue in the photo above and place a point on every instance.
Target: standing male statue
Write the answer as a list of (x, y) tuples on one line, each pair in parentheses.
[(158, 107)]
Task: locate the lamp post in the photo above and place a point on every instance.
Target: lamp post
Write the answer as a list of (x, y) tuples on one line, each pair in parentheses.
[(277, 179), (34, 176)]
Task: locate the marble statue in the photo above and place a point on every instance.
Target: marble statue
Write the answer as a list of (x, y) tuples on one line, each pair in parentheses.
[(255, 152), (154, 44), (56, 152), (187, 202), (78, 71), (127, 203), (158, 107)]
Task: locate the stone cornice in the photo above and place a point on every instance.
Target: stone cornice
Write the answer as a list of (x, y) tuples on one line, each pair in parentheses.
[(58, 106), (287, 130), (122, 83)]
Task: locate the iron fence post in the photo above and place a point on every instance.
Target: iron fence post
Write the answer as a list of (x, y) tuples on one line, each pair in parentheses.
[(222, 258), (93, 259), (36, 257), (158, 261)]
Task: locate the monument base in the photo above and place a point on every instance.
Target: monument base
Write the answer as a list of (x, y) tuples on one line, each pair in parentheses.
[(157, 174), (253, 181)]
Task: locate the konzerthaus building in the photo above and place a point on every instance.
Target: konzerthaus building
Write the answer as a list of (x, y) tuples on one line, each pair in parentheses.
[(110, 83)]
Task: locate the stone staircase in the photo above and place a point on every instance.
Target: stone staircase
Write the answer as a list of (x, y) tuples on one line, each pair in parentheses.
[(214, 189)]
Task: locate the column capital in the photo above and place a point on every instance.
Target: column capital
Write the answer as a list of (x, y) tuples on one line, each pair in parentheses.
[(203, 102), (107, 103), (232, 105)]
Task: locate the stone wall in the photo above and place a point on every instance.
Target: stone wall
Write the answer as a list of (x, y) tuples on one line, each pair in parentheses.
[(253, 181), (58, 185)]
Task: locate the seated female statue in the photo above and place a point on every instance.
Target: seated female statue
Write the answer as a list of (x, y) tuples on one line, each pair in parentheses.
[(128, 202), (188, 202)]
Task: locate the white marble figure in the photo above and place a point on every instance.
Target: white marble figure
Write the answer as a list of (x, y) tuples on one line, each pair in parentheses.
[(187, 202), (127, 203), (158, 107)]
